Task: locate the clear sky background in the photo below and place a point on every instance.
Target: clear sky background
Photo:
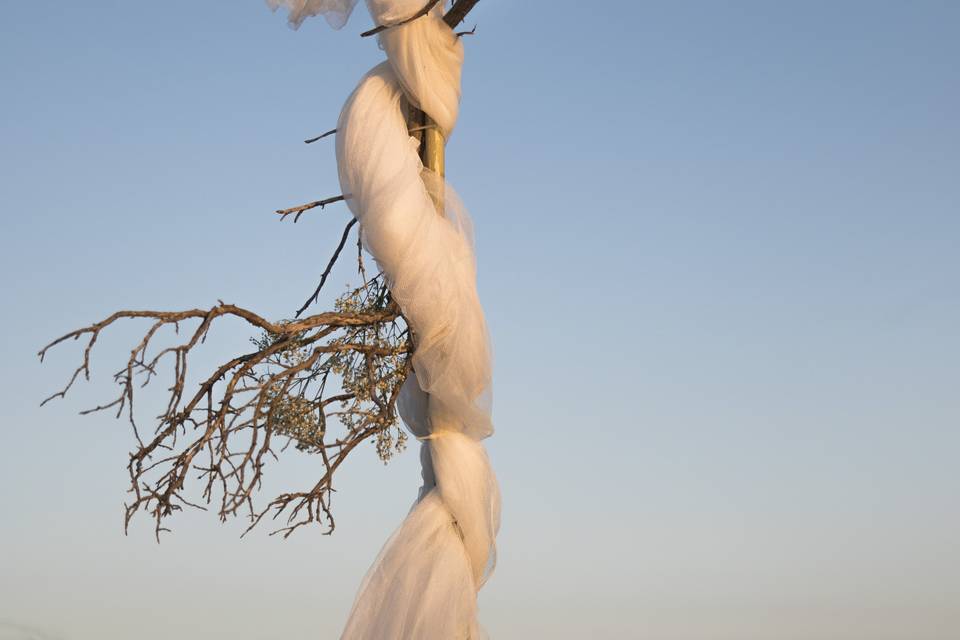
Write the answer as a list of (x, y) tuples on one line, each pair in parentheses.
[(718, 249)]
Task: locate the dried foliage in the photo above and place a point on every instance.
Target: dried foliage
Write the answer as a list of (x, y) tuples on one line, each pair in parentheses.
[(346, 365)]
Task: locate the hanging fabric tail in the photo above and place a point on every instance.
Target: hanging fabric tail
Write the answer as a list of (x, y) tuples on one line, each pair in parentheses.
[(424, 584)]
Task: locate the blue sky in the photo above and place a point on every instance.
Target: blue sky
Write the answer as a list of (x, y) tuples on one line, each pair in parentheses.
[(718, 252)]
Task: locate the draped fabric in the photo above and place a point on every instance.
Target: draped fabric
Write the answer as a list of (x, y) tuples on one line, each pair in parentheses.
[(337, 12), (425, 581)]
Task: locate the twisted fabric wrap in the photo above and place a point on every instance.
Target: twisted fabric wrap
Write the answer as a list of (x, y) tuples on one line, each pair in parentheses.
[(424, 584)]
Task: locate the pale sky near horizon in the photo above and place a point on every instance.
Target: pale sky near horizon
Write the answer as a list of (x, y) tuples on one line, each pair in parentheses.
[(718, 250)]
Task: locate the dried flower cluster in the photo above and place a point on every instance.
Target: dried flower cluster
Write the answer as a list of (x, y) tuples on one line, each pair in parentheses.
[(368, 379), (324, 383)]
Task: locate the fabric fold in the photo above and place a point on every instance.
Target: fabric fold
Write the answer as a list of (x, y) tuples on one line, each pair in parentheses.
[(424, 584)]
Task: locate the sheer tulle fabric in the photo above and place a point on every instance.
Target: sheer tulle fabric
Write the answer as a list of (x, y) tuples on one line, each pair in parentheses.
[(428, 259), (424, 583), (426, 56), (337, 12)]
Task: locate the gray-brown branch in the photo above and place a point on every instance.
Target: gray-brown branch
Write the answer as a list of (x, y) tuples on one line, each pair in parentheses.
[(231, 419), (299, 210), (326, 272), (458, 12), (419, 14)]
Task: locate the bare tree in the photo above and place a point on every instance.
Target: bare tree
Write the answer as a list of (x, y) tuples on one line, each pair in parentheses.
[(323, 383)]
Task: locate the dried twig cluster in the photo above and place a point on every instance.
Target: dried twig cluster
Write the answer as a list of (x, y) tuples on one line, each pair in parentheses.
[(323, 383), (348, 364)]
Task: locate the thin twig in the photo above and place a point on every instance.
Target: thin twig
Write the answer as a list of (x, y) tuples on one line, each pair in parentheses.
[(413, 130), (326, 272), (300, 209), (324, 135)]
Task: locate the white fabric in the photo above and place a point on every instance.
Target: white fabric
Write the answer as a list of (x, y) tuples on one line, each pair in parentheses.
[(424, 584), (426, 56), (337, 12), (428, 259), (391, 12)]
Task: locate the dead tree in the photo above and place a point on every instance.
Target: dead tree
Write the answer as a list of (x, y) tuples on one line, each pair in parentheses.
[(323, 383)]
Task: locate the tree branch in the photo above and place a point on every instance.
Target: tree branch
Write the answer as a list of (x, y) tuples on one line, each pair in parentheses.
[(277, 390), (419, 14), (324, 135), (326, 272), (458, 12), (455, 16), (300, 209)]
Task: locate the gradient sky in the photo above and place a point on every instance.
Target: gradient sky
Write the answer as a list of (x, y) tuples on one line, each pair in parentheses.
[(718, 249)]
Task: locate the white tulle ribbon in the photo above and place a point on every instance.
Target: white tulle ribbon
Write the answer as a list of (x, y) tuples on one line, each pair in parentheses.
[(424, 584)]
